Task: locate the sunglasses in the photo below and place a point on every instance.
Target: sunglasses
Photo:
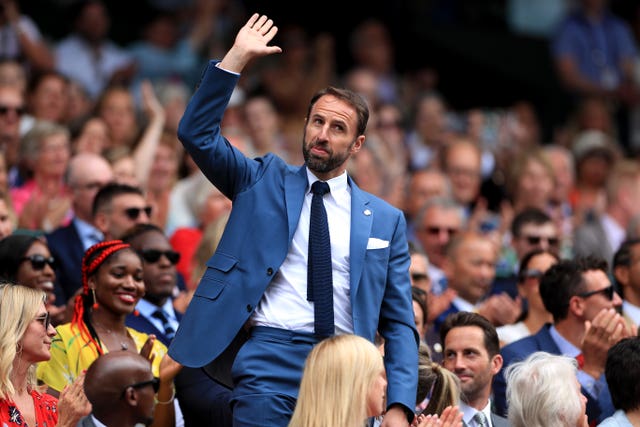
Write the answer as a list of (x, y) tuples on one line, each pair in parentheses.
[(45, 319), (153, 255), (4, 109), (531, 274), (419, 276), (607, 292), (134, 213), (155, 383), (437, 230), (38, 261), (535, 240)]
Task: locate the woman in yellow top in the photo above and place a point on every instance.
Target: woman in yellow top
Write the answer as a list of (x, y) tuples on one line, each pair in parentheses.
[(112, 286)]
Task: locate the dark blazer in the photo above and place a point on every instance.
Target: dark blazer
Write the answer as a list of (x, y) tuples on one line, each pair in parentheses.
[(65, 245), (498, 421), (142, 324), (267, 197), (597, 408)]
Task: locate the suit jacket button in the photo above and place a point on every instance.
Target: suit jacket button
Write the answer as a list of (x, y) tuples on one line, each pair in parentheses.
[(249, 308), (269, 271)]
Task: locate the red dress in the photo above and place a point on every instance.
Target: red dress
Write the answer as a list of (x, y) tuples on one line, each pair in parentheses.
[(46, 407)]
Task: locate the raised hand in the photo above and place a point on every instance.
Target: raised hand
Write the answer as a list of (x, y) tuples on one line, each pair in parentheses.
[(251, 42), (607, 328)]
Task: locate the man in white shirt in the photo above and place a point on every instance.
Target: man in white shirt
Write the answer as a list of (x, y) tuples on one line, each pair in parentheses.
[(472, 352)]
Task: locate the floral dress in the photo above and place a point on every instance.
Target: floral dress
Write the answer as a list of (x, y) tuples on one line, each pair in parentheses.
[(46, 407)]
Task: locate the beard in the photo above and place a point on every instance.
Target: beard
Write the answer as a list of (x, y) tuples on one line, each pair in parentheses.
[(319, 165)]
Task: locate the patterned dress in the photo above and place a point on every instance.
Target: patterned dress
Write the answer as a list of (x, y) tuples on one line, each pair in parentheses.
[(46, 407), (71, 354)]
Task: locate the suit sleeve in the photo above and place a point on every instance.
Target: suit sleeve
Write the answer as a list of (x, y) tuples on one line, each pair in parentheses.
[(397, 325), (199, 131)]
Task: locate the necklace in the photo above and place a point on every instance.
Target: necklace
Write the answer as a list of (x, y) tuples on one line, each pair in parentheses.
[(123, 344)]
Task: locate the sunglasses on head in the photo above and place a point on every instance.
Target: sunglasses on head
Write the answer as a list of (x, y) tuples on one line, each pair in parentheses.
[(134, 213), (153, 255), (535, 240), (155, 383), (4, 109), (38, 261), (607, 292), (45, 319)]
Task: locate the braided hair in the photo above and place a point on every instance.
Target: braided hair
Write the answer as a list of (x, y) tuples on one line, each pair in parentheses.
[(93, 259)]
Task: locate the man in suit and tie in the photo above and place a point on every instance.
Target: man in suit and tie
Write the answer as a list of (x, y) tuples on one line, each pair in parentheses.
[(292, 266), (471, 350), (121, 388), (87, 173), (586, 323), (201, 400)]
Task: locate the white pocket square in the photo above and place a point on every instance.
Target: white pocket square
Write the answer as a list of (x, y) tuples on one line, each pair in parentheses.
[(375, 243)]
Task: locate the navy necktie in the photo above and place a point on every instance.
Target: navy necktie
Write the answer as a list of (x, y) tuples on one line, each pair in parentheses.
[(319, 271), (169, 332)]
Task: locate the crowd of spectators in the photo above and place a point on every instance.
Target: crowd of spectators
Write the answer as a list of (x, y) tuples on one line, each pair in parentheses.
[(497, 214)]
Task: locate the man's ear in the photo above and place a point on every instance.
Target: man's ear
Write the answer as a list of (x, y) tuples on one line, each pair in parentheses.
[(357, 144), (131, 396), (577, 305), (101, 221), (496, 364)]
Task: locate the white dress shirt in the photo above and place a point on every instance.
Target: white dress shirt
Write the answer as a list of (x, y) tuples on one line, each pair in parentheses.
[(284, 304)]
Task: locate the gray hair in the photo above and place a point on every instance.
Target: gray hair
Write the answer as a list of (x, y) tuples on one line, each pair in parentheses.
[(30, 146), (542, 390)]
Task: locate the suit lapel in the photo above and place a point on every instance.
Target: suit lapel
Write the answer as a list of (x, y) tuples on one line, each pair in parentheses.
[(361, 220), (295, 187)]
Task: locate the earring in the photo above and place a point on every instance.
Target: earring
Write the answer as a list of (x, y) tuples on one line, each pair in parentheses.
[(95, 302)]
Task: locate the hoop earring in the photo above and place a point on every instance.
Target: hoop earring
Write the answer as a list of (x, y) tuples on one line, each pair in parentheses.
[(95, 301)]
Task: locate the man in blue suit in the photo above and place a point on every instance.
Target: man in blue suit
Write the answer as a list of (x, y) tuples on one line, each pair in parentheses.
[(586, 323), (255, 285)]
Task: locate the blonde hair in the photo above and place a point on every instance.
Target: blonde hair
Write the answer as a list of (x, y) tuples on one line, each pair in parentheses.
[(338, 374), (437, 383), (19, 305)]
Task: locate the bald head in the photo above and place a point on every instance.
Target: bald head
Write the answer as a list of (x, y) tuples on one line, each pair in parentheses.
[(87, 173), (119, 386)]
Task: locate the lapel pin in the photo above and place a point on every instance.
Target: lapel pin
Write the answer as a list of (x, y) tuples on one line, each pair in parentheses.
[(367, 212)]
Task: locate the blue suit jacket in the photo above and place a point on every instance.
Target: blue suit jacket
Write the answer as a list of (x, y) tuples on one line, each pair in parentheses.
[(65, 245), (267, 197), (597, 408)]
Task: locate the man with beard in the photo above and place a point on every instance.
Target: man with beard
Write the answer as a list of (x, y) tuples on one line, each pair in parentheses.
[(270, 291), (472, 352)]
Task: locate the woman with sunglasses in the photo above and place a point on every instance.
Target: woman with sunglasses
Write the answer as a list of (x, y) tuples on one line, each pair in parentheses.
[(25, 340), (111, 287), (26, 260)]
